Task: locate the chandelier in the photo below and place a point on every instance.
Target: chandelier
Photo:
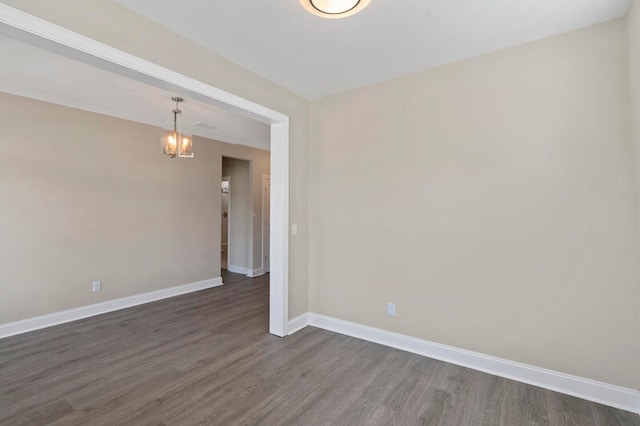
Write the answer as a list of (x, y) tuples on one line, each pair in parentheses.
[(175, 143)]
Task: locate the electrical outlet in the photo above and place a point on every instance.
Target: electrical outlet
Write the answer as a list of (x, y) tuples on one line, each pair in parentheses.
[(391, 309), (97, 286), (294, 229)]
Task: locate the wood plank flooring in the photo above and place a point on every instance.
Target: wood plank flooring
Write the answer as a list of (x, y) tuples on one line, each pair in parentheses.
[(206, 358)]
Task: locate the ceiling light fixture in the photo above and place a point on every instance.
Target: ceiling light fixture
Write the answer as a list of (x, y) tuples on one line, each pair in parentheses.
[(334, 9), (175, 143)]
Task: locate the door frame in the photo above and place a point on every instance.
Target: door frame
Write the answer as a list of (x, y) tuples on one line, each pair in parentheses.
[(46, 35)]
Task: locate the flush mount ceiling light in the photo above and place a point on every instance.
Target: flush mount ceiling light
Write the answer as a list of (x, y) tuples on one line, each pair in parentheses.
[(334, 9), (175, 143)]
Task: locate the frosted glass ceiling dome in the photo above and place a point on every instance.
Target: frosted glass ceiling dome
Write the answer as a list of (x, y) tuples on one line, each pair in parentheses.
[(334, 9)]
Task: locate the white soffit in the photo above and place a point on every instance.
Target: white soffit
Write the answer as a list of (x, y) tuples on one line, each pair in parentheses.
[(35, 73), (315, 57)]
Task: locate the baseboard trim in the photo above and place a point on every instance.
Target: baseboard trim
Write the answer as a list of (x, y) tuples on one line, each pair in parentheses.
[(251, 273), (298, 323), (592, 390), (44, 321), (238, 269), (255, 273)]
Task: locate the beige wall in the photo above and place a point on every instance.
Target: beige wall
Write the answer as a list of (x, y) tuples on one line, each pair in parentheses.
[(110, 23), (86, 197), (633, 34), (492, 200)]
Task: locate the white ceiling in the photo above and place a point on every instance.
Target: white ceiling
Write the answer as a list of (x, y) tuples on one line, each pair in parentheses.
[(315, 57), (39, 74)]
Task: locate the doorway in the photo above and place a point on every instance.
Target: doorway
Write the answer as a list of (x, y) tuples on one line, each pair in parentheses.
[(224, 228), (266, 221), (239, 248)]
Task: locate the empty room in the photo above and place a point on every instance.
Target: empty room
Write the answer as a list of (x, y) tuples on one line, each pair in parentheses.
[(320, 212)]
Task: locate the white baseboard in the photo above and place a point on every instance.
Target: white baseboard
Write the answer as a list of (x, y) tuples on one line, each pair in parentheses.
[(255, 273), (238, 269), (36, 323), (298, 323), (603, 393), (251, 273)]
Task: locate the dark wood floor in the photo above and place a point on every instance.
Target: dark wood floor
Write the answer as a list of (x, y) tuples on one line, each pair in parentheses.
[(206, 358)]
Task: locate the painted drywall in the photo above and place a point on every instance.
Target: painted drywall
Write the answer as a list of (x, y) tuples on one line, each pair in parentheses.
[(633, 40), (240, 211), (110, 23), (85, 197), (492, 201)]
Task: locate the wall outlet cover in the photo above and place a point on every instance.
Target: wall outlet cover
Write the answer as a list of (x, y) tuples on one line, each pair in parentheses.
[(391, 309)]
